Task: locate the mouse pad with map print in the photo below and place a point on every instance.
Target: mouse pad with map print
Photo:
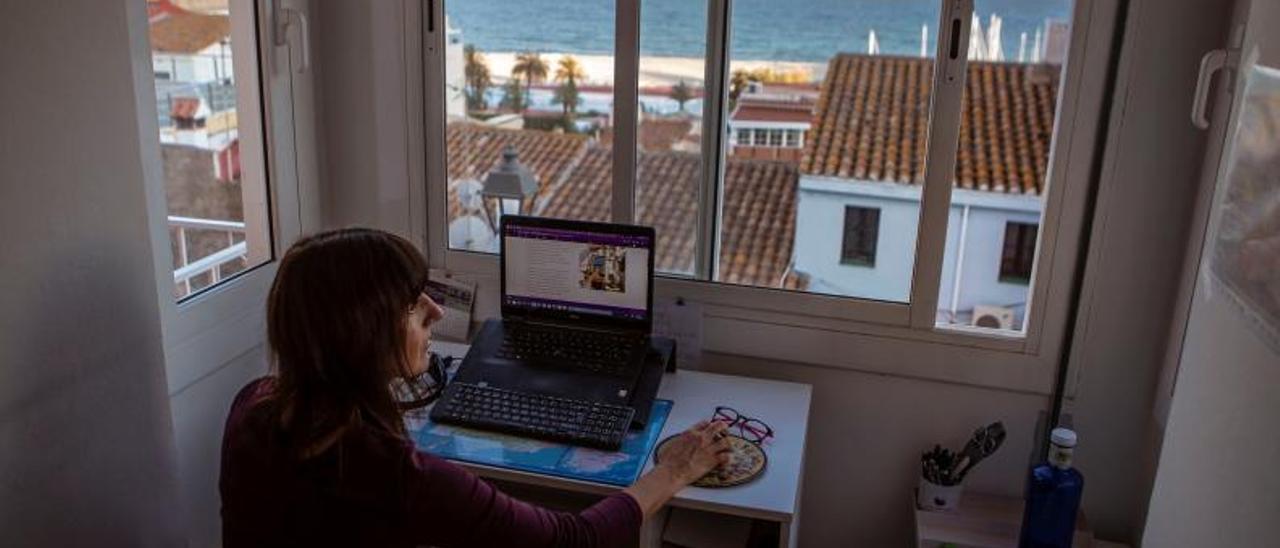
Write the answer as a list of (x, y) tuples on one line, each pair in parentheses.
[(746, 462)]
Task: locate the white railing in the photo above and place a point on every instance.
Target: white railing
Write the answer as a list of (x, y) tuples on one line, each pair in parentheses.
[(212, 263)]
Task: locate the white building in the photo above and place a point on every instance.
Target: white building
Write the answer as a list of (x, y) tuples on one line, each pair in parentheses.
[(771, 121), (859, 192), (455, 92)]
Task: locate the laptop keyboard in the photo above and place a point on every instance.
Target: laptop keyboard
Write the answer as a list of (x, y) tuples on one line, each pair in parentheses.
[(594, 351), (579, 422)]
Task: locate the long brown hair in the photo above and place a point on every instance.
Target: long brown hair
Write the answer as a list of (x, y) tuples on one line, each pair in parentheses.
[(336, 329)]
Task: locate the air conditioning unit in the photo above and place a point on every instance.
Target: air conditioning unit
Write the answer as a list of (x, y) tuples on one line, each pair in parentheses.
[(992, 317)]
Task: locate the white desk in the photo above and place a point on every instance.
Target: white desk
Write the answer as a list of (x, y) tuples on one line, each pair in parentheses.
[(774, 497)]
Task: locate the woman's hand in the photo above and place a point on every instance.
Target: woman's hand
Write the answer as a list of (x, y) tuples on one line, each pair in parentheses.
[(695, 452), (682, 461)]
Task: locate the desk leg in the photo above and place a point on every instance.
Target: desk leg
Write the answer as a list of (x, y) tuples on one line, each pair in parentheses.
[(651, 529)]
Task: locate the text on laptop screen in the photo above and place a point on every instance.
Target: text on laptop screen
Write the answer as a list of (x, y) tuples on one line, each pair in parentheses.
[(577, 271)]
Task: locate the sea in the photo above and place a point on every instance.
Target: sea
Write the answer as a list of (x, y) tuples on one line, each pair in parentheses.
[(773, 30)]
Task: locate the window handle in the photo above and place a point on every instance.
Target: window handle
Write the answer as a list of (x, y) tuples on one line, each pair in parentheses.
[(285, 18), (1210, 64)]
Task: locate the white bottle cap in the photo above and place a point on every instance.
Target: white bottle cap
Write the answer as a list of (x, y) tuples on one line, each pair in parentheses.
[(1063, 437)]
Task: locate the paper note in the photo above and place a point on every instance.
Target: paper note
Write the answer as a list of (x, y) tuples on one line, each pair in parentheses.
[(457, 298), (680, 320)]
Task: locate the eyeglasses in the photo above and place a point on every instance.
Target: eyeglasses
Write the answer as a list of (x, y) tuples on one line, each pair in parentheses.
[(748, 428), (416, 393)]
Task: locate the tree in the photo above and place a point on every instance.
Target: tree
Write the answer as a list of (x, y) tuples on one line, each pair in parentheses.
[(738, 83), (567, 96), (570, 70), (532, 68), (568, 73), (513, 96), (477, 77), (681, 93)]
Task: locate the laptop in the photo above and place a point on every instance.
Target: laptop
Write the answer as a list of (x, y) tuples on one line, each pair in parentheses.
[(577, 311)]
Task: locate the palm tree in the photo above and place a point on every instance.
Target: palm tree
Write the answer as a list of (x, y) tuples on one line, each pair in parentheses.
[(681, 93), (567, 96), (513, 96), (568, 72), (530, 65), (478, 78)]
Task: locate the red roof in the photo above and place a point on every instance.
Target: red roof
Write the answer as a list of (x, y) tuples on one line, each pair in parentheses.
[(575, 178), (758, 223), (175, 30), (870, 123), (749, 110)]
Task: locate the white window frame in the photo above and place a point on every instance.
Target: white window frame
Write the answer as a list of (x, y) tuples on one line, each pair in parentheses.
[(213, 326), (836, 331)]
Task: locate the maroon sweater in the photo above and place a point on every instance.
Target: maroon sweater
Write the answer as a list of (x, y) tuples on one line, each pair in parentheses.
[(371, 490)]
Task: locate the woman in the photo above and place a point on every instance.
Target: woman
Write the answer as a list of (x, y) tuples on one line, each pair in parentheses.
[(317, 454)]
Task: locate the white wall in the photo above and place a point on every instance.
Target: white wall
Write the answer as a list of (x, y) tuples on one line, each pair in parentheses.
[(819, 236), (1138, 241), (87, 454), (866, 432), (361, 77), (1217, 481), (211, 64), (199, 413), (979, 273), (820, 233)]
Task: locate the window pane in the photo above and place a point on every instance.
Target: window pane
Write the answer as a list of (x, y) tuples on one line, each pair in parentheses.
[(861, 234), (854, 77), (669, 142), (537, 80), (205, 64), (1017, 52)]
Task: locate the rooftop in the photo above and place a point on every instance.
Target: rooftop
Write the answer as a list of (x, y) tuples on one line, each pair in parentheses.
[(176, 30), (870, 123), (755, 110), (575, 177)]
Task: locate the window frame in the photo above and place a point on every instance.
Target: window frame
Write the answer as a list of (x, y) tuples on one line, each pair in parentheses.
[(211, 327), (886, 337)]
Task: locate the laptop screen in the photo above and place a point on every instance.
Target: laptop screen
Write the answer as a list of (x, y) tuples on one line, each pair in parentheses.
[(577, 270)]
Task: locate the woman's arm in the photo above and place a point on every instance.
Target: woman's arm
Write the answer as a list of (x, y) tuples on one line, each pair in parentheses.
[(449, 506)]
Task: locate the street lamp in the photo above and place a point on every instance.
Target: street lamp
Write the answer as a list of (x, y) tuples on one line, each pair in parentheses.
[(510, 183)]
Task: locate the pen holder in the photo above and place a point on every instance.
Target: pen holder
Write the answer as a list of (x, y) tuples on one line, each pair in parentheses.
[(938, 498)]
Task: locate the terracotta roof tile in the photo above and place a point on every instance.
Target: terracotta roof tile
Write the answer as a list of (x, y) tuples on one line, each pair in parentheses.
[(174, 30), (759, 211), (773, 111), (871, 120), (474, 150)]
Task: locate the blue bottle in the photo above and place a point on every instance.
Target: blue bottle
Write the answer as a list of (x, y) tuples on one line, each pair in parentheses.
[(1053, 496)]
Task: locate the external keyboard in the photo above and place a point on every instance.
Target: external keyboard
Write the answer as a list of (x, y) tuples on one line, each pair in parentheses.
[(593, 351), (579, 422)]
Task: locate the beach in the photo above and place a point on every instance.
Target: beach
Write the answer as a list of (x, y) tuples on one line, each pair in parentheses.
[(655, 71)]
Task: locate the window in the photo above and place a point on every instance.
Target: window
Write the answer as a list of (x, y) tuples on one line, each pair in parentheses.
[(1002, 171), (538, 83), (855, 134), (1018, 254), (793, 138), (762, 137), (212, 151), (861, 230)]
